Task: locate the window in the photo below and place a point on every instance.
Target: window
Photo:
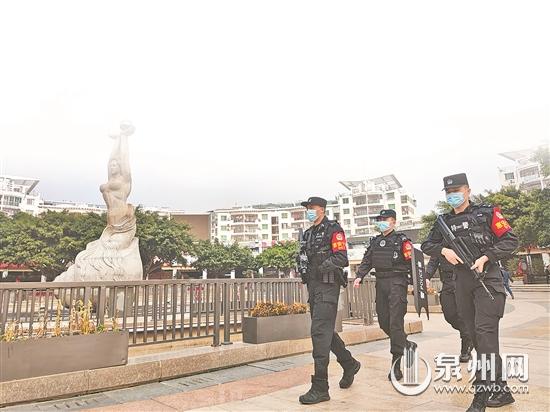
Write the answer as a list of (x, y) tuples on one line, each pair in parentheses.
[(265, 237), (345, 200), (346, 211), (264, 227), (264, 216), (224, 238), (533, 171), (347, 222), (390, 196), (391, 206), (223, 218), (509, 176), (284, 215), (30, 201), (285, 235)]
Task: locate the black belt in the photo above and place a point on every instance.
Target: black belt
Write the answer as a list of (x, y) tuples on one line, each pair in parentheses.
[(392, 272)]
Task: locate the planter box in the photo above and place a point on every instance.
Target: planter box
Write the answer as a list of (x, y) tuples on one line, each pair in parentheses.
[(275, 328), (433, 300), (47, 356), (284, 327)]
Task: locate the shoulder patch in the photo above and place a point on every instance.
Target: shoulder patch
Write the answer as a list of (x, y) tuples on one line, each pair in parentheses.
[(499, 224), (338, 241), (407, 249)]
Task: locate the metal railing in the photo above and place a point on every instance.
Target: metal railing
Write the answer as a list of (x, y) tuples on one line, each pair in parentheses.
[(161, 310)]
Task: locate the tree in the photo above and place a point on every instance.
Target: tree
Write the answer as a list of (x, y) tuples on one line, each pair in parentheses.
[(47, 243), (542, 156), (527, 212), (281, 256), (428, 220), (219, 259), (161, 240)]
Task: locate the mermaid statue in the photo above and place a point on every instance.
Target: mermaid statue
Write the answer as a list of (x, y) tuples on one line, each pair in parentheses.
[(115, 255)]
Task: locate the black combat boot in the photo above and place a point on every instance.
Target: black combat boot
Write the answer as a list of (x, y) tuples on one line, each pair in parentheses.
[(480, 401), (349, 373), (396, 365), (466, 350), (500, 396), (317, 393)]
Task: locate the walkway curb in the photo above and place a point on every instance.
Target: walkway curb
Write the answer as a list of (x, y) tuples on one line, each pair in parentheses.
[(173, 364)]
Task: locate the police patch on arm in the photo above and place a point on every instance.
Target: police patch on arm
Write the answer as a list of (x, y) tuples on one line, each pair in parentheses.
[(338, 241), (499, 224), (407, 248)]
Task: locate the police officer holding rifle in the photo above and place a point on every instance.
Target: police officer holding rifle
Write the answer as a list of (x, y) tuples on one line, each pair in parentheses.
[(473, 238)]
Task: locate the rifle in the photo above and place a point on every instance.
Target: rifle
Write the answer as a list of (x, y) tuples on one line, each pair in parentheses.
[(302, 257), (462, 251)]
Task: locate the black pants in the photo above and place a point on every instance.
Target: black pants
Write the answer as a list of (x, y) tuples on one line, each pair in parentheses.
[(391, 307), (449, 305), (323, 304), (481, 315)]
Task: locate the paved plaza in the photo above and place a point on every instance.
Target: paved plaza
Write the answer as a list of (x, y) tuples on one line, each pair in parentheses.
[(276, 384)]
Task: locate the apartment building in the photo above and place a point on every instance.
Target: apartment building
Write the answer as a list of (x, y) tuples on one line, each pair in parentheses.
[(261, 226), (358, 206), (524, 174), (17, 194)]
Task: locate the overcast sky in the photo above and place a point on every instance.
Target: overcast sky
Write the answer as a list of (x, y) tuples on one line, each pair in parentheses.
[(240, 103)]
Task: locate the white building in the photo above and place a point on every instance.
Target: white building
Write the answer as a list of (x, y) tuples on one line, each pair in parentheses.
[(17, 194), (259, 227), (357, 208), (524, 174), (262, 226)]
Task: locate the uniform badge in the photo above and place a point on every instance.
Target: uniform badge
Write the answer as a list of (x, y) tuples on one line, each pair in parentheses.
[(395, 255), (449, 181), (499, 225), (407, 249), (338, 242), (382, 243)]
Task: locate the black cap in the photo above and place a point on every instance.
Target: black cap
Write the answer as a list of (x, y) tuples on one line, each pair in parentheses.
[(457, 180), (384, 213), (314, 200)]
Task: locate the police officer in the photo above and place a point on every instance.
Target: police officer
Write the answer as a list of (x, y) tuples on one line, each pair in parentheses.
[(327, 256), (489, 236), (448, 302), (389, 254)]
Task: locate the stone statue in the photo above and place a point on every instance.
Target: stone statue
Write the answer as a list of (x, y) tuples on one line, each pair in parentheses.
[(115, 255)]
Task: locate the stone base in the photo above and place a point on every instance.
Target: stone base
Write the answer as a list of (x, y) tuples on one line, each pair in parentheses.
[(173, 364)]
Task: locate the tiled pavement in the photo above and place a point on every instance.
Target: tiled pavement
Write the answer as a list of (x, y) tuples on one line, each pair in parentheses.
[(276, 384)]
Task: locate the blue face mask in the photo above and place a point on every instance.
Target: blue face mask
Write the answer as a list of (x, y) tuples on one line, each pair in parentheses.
[(311, 215), (455, 199), (382, 225)]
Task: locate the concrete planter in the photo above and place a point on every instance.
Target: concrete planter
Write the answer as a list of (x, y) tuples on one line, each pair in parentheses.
[(433, 300), (276, 328), (48, 356)]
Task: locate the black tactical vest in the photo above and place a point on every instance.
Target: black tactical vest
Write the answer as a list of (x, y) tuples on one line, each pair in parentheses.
[(474, 226), (318, 249), (387, 253)]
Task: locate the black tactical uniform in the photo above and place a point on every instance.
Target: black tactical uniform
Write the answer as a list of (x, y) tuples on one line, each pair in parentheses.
[(448, 302), (486, 232), (390, 256), (327, 256)]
